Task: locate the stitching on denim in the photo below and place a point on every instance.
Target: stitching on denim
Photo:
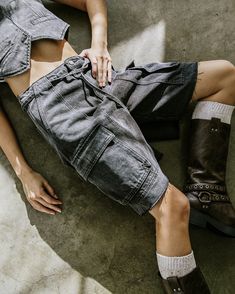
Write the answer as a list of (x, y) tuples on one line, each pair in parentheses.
[(41, 19), (115, 99), (89, 167), (81, 145), (139, 193), (132, 151), (62, 99), (139, 183), (27, 52), (126, 146), (40, 109), (157, 81), (155, 175)]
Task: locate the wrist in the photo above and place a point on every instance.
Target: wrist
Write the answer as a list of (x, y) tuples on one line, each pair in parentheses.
[(100, 44), (23, 172)]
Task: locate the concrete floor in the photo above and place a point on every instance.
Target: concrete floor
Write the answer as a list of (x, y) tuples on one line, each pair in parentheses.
[(96, 245)]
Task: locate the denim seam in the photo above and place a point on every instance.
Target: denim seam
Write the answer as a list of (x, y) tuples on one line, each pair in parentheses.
[(149, 184), (53, 38), (165, 81), (126, 146), (28, 51), (139, 194), (41, 19), (81, 145), (145, 192), (138, 185), (162, 192), (115, 99), (62, 99), (89, 167)]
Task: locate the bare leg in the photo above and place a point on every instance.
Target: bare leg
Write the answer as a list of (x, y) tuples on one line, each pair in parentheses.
[(216, 82), (172, 216)]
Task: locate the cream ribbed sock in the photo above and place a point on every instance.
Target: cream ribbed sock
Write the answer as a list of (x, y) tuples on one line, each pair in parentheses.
[(175, 266), (209, 109)]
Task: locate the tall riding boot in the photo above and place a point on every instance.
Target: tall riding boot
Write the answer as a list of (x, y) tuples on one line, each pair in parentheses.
[(206, 186)]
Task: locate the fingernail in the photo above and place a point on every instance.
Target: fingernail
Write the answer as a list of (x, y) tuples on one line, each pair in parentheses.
[(55, 196), (59, 211), (52, 213)]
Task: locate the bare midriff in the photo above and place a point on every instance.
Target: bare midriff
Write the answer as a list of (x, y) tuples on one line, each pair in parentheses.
[(46, 55)]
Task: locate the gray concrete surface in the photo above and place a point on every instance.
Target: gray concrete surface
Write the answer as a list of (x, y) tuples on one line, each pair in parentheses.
[(96, 245)]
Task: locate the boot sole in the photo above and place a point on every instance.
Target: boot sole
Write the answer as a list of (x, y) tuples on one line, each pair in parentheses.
[(202, 220)]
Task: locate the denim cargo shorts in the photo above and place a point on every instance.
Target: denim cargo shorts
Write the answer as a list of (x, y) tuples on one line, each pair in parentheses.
[(96, 131)]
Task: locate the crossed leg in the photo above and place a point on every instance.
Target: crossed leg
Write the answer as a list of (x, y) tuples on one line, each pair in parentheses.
[(216, 82)]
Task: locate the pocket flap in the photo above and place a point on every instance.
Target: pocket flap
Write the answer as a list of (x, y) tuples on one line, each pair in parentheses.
[(91, 149)]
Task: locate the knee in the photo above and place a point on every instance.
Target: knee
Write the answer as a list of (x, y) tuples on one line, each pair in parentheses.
[(228, 70), (227, 67), (174, 208)]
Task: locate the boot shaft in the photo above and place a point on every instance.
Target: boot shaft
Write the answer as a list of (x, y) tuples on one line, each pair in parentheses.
[(208, 152)]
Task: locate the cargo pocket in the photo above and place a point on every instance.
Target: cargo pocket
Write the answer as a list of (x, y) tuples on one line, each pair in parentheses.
[(113, 167), (161, 72)]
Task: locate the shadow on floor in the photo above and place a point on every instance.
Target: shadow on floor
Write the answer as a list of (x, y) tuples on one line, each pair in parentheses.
[(100, 238)]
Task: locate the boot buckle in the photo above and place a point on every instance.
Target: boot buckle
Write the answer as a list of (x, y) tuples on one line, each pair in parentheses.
[(204, 197)]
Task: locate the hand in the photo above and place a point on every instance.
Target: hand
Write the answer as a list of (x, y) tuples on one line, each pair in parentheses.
[(39, 193), (101, 64)]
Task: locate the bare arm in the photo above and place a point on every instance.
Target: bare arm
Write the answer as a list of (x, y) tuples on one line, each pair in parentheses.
[(37, 190), (10, 147), (98, 53)]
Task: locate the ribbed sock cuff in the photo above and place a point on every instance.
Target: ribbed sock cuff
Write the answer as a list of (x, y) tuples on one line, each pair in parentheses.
[(209, 109), (175, 266)]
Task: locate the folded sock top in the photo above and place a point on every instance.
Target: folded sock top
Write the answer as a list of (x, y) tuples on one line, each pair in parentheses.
[(209, 109)]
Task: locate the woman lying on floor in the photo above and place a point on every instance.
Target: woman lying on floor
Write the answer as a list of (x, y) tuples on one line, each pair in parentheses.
[(90, 113)]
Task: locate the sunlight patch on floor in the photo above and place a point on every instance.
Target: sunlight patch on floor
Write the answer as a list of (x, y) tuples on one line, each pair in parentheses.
[(28, 264), (146, 46)]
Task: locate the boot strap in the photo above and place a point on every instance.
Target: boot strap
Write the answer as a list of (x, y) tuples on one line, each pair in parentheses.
[(174, 285), (208, 197), (205, 187)]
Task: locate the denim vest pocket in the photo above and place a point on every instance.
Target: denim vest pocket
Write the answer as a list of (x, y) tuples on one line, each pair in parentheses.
[(114, 168), (156, 72)]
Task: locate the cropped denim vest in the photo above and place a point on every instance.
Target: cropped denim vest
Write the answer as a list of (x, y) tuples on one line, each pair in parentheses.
[(21, 22)]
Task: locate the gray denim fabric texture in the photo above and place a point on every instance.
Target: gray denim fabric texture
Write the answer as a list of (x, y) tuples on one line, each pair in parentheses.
[(21, 22), (93, 129), (96, 131)]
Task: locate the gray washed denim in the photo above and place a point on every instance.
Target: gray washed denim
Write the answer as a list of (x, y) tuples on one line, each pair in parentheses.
[(93, 129), (21, 22)]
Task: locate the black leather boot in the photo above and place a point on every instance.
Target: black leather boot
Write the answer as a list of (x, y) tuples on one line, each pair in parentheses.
[(206, 187), (192, 283)]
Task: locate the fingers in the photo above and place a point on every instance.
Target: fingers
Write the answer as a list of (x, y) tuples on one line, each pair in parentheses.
[(48, 198), (49, 189), (44, 203), (100, 71), (48, 205), (94, 67), (110, 71), (38, 206), (104, 71)]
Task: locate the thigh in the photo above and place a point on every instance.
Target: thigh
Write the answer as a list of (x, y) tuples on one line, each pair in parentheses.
[(213, 79)]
